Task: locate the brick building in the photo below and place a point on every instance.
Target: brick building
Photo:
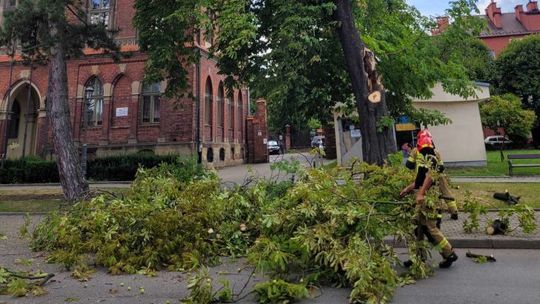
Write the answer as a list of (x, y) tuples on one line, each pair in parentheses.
[(113, 111), (505, 27)]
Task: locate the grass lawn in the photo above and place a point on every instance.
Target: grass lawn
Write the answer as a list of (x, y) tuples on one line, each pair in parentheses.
[(497, 168), (36, 200), (529, 192), (30, 206)]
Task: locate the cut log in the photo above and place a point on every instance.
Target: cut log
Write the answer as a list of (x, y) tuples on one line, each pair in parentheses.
[(375, 97)]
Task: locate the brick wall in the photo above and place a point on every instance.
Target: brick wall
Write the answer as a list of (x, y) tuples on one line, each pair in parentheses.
[(257, 134), (122, 84)]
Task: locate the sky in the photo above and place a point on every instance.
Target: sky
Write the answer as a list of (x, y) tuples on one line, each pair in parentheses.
[(437, 7)]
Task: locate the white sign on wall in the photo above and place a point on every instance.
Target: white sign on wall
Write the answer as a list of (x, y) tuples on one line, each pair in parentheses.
[(121, 112)]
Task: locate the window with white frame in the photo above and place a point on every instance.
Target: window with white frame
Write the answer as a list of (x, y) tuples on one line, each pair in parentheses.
[(99, 11), (93, 102), (151, 103)]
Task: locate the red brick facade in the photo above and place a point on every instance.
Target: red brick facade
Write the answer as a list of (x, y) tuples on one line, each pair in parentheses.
[(505, 27), (123, 125)]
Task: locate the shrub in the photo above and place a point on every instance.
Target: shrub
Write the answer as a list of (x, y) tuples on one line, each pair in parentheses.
[(113, 168)]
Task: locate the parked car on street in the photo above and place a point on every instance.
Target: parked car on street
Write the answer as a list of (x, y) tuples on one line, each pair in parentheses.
[(496, 141), (273, 147)]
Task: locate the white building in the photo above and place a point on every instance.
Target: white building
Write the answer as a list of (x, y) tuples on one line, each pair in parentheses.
[(461, 142)]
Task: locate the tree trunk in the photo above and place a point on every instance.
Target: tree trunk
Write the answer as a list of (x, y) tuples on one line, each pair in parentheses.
[(72, 179), (365, 80)]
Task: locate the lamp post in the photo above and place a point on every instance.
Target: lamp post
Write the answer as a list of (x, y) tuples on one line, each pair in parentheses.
[(88, 93)]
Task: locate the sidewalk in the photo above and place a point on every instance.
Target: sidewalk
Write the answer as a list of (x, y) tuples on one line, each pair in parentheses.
[(495, 179), (453, 230)]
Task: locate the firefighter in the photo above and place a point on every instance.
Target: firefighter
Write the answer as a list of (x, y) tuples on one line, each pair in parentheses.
[(426, 209), (444, 187)]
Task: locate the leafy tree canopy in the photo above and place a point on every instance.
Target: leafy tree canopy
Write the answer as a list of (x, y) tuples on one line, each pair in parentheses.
[(506, 112), (289, 52), (29, 28), (518, 71)]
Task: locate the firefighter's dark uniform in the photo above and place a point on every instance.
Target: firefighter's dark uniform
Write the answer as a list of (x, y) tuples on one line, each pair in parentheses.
[(442, 181), (426, 212)]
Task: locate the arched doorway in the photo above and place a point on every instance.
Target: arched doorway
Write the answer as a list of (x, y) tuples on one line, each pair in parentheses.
[(22, 121)]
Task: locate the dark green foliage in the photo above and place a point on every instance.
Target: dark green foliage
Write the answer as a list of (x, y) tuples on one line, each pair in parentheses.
[(113, 168), (29, 26), (518, 71), (28, 170)]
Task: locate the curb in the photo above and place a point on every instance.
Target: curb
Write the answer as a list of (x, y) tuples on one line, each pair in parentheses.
[(486, 243), (58, 184)]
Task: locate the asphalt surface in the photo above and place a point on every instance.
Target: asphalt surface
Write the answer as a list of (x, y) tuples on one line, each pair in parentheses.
[(514, 278)]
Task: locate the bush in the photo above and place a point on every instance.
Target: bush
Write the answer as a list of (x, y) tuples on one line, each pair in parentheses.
[(113, 168), (28, 170)]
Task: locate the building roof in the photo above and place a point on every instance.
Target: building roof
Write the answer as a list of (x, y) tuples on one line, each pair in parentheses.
[(511, 26)]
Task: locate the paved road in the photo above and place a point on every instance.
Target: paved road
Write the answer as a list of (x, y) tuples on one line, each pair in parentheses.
[(239, 174), (514, 278)]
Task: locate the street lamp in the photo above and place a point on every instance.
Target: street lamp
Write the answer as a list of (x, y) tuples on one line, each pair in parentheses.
[(89, 93)]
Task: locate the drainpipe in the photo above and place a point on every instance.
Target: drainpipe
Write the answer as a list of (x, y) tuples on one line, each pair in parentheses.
[(198, 109)]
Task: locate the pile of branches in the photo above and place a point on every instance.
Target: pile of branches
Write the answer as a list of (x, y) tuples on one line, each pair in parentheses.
[(328, 227)]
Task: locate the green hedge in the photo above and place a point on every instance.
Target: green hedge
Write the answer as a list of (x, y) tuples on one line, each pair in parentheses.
[(113, 168)]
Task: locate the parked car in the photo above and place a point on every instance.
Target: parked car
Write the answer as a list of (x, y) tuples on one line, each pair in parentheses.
[(496, 141), (273, 147), (317, 141)]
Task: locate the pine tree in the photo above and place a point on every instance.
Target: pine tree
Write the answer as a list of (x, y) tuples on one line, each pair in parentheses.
[(52, 31)]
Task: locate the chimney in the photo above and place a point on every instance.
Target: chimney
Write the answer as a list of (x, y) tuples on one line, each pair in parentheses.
[(532, 6), (494, 14), (519, 11), (442, 23)]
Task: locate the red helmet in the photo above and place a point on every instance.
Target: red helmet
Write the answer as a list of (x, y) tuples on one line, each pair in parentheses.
[(425, 140)]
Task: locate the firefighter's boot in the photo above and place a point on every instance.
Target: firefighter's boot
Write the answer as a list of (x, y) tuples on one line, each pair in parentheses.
[(446, 263)]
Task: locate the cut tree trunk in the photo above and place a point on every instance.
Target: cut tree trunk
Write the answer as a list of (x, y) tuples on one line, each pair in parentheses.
[(72, 179), (377, 140)]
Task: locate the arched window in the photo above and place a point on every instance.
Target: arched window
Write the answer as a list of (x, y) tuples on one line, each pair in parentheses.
[(151, 104), (231, 114), (220, 108), (99, 12), (93, 102), (240, 113), (208, 102), (14, 121)]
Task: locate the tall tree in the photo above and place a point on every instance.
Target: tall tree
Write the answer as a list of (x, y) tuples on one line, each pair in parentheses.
[(517, 71), (52, 31), (309, 55), (506, 112)]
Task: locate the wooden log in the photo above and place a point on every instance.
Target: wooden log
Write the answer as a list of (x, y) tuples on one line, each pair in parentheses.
[(375, 97)]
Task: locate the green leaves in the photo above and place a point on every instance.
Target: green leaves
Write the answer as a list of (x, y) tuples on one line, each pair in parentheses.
[(279, 291), (29, 26), (518, 69), (506, 112)]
